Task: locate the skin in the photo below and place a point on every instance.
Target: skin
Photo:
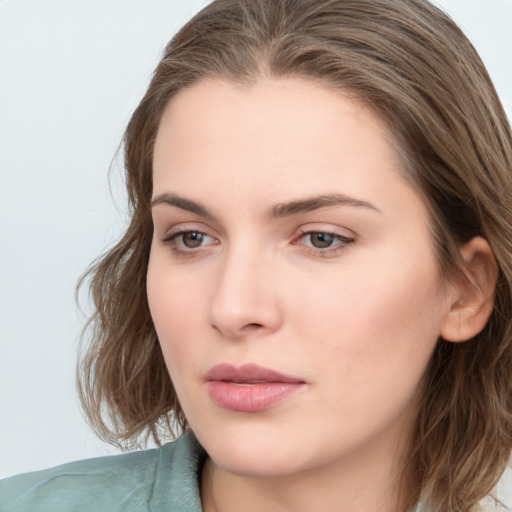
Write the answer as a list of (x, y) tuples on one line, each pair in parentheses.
[(356, 321)]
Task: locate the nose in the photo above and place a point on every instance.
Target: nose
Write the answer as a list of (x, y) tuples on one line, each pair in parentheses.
[(245, 300)]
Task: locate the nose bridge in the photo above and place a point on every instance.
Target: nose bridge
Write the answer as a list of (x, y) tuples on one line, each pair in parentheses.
[(244, 298)]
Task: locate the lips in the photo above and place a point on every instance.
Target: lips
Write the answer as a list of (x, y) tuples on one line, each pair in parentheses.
[(249, 388)]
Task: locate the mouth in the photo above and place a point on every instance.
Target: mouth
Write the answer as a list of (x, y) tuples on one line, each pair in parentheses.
[(249, 388)]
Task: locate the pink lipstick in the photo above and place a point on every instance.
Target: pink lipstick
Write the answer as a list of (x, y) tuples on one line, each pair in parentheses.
[(249, 388)]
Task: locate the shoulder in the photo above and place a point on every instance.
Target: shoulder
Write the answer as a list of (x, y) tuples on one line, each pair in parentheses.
[(153, 480), (96, 482)]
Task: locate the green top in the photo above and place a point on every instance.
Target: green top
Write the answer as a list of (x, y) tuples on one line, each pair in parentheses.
[(164, 479)]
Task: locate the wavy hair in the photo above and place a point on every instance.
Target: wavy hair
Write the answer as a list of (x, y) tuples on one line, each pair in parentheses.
[(410, 63)]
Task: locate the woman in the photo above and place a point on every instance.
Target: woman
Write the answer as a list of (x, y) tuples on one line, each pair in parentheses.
[(316, 281)]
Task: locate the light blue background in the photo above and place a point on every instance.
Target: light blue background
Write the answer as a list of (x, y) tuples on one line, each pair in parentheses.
[(71, 72)]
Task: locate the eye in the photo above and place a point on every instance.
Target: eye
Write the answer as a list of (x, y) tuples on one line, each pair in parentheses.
[(321, 240), (183, 242), (323, 243), (192, 239)]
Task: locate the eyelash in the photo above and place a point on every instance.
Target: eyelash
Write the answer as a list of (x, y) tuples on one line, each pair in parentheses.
[(328, 251), (177, 247)]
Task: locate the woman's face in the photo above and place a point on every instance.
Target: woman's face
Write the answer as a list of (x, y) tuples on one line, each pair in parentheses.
[(292, 279)]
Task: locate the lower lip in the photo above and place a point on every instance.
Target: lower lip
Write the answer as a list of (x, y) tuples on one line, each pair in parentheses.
[(254, 397)]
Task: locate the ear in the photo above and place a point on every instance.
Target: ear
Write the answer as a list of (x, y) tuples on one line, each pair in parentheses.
[(473, 293)]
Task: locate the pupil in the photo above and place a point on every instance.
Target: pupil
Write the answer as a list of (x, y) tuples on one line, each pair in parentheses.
[(321, 240), (192, 239)]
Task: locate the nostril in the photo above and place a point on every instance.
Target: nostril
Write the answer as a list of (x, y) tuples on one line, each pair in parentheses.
[(253, 326)]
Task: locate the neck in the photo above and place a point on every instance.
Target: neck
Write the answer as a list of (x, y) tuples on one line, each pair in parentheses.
[(357, 485)]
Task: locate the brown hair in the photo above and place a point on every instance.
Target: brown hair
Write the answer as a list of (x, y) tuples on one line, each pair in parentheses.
[(412, 65)]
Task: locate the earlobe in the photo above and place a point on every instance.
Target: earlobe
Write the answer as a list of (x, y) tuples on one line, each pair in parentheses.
[(473, 298)]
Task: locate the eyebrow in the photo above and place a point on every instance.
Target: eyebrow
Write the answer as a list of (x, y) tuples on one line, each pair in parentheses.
[(309, 204), (181, 202), (280, 210)]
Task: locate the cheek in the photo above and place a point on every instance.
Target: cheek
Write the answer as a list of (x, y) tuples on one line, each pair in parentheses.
[(383, 320), (174, 307)]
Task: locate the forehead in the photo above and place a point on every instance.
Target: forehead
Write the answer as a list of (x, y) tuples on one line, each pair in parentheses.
[(241, 151), (296, 127)]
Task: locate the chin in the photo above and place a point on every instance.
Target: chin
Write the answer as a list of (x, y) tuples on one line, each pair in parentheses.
[(252, 450), (255, 463)]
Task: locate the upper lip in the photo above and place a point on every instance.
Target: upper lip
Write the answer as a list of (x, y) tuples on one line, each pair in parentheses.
[(248, 373)]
